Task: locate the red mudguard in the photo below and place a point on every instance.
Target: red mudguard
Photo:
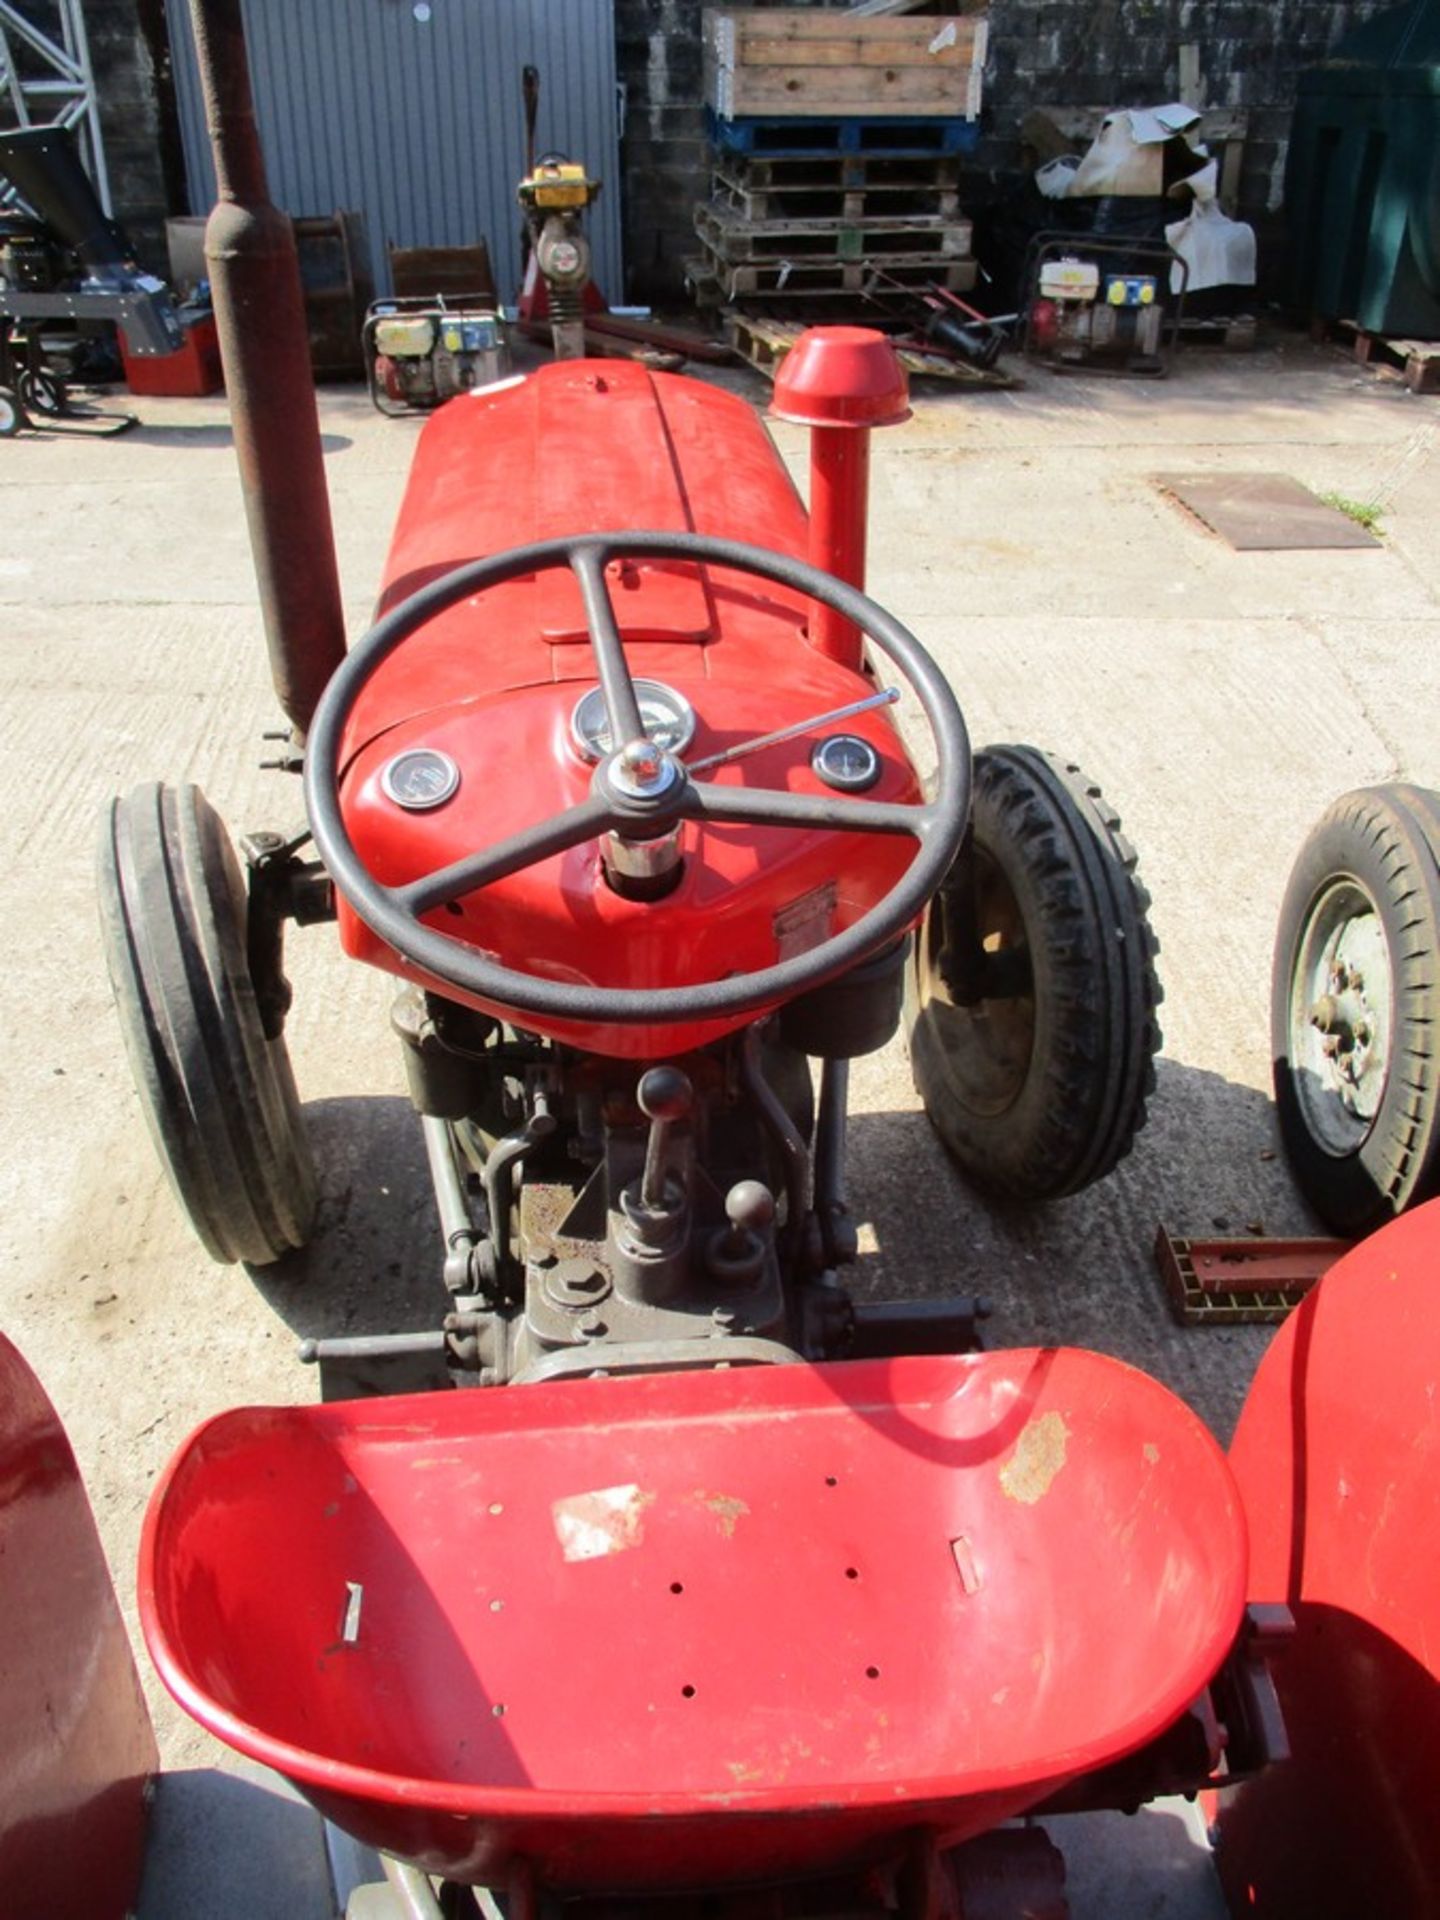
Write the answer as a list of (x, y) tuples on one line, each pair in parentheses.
[(1338, 1459), (76, 1750)]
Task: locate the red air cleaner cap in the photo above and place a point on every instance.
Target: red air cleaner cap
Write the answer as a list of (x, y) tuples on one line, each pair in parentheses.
[(841, 377)]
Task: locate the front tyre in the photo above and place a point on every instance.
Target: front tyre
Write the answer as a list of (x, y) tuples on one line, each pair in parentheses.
[(1036, 1074), (218, 1094), (1354, 1000)]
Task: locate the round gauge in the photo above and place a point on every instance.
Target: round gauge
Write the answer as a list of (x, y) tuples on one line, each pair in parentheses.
[(563, 256), (846, 762), (668, 718), (420, 778)]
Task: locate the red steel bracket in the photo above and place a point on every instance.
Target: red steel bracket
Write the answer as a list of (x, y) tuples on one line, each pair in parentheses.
[(1248, 1282)]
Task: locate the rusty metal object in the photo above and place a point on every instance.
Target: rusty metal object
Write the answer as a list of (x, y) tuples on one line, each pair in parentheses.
[(1250, 1282), (259, 312)]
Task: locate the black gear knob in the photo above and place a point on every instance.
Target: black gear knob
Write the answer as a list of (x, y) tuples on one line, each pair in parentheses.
[(664, 1096), (664, 1093)]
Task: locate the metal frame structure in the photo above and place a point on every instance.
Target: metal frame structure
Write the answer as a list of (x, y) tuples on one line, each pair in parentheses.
[(62, 91)]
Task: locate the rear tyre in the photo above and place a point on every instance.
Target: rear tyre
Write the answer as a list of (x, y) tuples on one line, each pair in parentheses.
[(12, 414), (1039, 1091), (219, 1097), (1354, 1001)]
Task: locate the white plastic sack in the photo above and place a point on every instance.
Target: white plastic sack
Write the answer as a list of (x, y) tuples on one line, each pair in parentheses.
[(1127, 155), (1219, 251), (1053, 179)]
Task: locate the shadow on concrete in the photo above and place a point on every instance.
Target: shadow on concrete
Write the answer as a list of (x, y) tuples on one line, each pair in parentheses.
[(233, 1848), (216, 433), (374, 1264), (1151, 1865), (1081, 1271)]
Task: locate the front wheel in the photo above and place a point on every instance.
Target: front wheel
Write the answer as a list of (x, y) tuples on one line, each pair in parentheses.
[(1031, 1013), (1354, 1001), (217, 1091)]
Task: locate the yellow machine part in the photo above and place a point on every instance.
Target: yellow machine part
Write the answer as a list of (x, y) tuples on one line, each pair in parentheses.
[(565, 184), (405, 336)]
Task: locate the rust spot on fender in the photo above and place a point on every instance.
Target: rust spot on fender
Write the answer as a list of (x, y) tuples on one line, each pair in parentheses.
[(1039, 1455), (745, 1773), (728, 1509)]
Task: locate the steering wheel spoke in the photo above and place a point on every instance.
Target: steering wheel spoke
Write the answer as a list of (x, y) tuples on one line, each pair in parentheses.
[(524, 849), (767, 807), (622, 705)]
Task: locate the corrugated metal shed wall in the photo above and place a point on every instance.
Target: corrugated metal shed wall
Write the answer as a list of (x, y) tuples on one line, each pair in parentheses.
[(411, 111)]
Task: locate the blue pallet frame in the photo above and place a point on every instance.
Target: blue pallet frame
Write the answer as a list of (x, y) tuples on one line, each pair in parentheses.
[(896, 138)]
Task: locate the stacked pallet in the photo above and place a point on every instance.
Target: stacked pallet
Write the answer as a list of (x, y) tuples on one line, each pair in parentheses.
[(836, 146)]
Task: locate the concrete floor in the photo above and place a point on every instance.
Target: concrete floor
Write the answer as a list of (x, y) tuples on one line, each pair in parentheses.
[(1222, 700)]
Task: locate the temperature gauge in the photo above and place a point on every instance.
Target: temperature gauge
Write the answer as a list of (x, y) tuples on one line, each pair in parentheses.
[(846, 762), (420, 778)]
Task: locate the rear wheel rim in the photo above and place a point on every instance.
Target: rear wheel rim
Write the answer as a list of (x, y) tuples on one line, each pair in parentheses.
[(1341, 1017)]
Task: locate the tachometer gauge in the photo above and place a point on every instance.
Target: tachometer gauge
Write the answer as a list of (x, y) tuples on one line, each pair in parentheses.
[(667, 716), (846, 762)]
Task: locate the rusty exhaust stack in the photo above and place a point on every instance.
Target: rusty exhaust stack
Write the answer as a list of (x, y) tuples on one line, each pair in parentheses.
[(260, 317), (840, 382)]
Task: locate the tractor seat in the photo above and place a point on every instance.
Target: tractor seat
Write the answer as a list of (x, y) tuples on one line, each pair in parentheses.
[(698, 1626)]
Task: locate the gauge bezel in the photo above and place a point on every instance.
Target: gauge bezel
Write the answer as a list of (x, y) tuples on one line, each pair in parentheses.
[(644, 689), (845, 783), (408, 801)]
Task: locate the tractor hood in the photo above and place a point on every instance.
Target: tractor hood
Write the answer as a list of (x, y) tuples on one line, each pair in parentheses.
[(581, 446), (488, 691)]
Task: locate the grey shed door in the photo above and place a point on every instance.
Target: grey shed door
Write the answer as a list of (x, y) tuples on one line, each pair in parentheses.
[(411, 111)]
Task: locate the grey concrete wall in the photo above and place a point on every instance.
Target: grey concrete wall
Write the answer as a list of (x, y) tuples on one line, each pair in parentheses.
[(1058, 52)]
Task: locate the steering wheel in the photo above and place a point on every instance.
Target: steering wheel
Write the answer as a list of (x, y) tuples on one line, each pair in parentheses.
[(640, 791)]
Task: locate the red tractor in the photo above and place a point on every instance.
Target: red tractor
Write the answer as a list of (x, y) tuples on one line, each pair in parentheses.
[(736, 1586)]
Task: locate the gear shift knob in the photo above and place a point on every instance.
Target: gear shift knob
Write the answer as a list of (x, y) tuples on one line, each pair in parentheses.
[(664, 1096)]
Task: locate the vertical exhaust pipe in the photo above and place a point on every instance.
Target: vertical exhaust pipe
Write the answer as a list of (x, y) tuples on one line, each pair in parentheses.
[(840, 382), (260, 318)]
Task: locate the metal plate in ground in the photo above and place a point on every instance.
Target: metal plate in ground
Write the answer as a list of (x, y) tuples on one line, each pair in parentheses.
[(1264, 511)]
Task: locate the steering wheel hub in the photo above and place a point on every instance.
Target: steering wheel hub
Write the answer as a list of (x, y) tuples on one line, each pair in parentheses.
[(642, 771)]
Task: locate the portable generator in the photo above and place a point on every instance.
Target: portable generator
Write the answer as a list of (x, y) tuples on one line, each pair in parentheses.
[(426, 349), (1101, 305)]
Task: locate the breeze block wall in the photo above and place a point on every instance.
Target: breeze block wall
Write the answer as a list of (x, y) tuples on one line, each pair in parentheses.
[(1042, 52), (129, 53)]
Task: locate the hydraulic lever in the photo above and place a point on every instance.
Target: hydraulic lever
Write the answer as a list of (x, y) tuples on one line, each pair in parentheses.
[(886, 697)]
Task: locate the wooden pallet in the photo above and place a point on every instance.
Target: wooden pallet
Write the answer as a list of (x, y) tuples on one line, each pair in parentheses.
[(716, 281), (891, 136), (876, 242), (1418, 360), (764, 342), (773, 172), (822, 200), (823, 60)]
